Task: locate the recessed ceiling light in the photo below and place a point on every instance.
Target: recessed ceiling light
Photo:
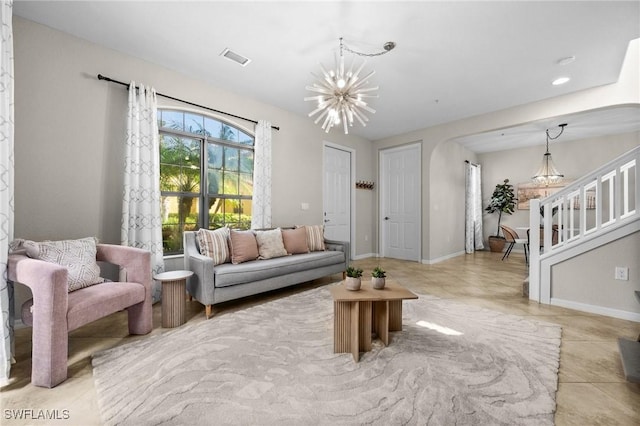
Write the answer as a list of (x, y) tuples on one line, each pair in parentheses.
[(559, 81), (235, 57), (567, 60)]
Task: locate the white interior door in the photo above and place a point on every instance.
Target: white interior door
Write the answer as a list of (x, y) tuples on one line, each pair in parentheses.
[(337, 193), (400, 202)]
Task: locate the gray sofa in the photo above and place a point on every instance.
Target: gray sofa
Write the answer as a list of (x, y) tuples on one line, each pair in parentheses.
[(211, 284)]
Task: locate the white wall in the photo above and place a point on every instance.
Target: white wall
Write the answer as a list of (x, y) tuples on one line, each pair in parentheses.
[(436, 223), (574, 159), (587, 282), (69, 141), (70, 132)]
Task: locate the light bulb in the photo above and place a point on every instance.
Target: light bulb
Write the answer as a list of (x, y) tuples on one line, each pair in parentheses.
[(341, 83)]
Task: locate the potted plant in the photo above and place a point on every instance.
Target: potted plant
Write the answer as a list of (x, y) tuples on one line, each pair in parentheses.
[(377, 278), (354, 277), (503, 200)]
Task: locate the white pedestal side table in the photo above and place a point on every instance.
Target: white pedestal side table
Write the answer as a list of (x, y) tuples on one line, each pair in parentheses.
[(174, 297)]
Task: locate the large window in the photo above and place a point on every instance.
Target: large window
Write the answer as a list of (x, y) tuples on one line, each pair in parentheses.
[(206, 175)]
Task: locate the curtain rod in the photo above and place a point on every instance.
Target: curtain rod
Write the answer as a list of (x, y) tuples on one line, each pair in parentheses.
[(102, 77), (473, 164)]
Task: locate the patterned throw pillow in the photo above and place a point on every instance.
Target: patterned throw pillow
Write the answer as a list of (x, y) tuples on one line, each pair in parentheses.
[(295, 240), (243, 246), (270, 244), (78, 256), (215, 244), (315, 237)]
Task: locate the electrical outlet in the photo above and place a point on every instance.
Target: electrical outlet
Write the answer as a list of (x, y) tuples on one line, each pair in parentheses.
[(622, 273)]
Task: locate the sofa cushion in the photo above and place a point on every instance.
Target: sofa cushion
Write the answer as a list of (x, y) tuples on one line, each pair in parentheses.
[(215, 244), (295, 240), (78, 256), (270, 244), (243, 246), (315, 237), (228, 275)]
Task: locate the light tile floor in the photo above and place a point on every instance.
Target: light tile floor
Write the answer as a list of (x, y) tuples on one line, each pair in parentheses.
[(591, 390)]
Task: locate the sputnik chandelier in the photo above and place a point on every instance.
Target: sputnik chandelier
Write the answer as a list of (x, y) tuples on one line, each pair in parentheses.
[(342, 93), (548, 174)]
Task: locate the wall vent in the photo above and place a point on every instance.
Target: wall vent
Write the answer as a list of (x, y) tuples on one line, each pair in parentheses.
[(235, 57)]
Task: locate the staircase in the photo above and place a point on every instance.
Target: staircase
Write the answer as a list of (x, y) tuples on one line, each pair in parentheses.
[(593, 211)]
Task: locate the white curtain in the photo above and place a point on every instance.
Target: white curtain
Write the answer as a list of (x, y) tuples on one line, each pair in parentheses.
[(141, 220), (473, 208), (6, 185), (261, 206)]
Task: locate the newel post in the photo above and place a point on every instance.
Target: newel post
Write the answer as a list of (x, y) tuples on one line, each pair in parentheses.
[(534, 250)]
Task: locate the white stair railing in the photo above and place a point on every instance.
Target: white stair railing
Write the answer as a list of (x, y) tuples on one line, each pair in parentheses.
[(603, 200)]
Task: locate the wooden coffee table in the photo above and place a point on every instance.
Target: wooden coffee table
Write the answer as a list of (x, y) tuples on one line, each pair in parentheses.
[(359, 313)]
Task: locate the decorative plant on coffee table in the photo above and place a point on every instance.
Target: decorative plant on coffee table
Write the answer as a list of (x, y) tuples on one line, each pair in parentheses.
[(378, 278), (503, 200), (354, 278)]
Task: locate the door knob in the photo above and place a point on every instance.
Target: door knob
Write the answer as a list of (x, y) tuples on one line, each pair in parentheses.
[(386, 218), (327, 220)]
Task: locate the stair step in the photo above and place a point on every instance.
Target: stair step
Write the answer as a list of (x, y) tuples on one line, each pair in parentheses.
[(630, 355), (525, 287)]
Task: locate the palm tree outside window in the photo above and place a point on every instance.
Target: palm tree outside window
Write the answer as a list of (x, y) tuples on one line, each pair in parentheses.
[(206, 175)]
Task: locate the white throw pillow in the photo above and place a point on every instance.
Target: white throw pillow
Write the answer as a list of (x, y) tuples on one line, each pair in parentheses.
[(270, 244), (78, 256)]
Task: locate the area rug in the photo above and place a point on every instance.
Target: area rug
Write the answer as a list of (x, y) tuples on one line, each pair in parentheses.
[(273, 364)]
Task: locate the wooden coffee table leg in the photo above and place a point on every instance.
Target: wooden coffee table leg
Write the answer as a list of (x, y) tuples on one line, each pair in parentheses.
[(381, 321), (352, 328), (354, 338), (364, 323), (395, 315), (341, 327)]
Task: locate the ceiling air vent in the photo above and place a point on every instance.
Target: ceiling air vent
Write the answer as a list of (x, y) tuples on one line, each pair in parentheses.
[(235, 57)]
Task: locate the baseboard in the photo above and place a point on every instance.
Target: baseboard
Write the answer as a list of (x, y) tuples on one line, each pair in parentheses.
[(365, 256), (443, 258), (600, 310)]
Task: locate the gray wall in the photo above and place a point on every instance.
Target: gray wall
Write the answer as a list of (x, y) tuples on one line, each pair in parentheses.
[(589, 279)]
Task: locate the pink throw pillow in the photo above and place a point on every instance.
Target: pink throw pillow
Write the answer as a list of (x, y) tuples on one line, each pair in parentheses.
[(243, 246)]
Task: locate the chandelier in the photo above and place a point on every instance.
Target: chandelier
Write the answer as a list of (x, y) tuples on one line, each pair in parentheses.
[(547, 173), (342, 93)]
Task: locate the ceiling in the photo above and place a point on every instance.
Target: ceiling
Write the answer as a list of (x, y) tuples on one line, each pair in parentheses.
[(453, 59)]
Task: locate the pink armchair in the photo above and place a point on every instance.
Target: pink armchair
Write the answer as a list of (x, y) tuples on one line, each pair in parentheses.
[(56, 311)]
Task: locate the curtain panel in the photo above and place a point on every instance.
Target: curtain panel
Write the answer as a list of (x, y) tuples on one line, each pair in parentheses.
[(141, 219), (473, 208), (6, 185), (261, 205)]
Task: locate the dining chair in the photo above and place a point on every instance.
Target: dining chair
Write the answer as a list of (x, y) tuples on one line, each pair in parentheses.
[(513, 238)]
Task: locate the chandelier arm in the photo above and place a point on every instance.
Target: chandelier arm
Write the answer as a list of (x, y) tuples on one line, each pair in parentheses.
[(363, 81), (356, 114), (367, 108), (345, 125), (319, 89), (326, 121), (365, 90), (315, 111)]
